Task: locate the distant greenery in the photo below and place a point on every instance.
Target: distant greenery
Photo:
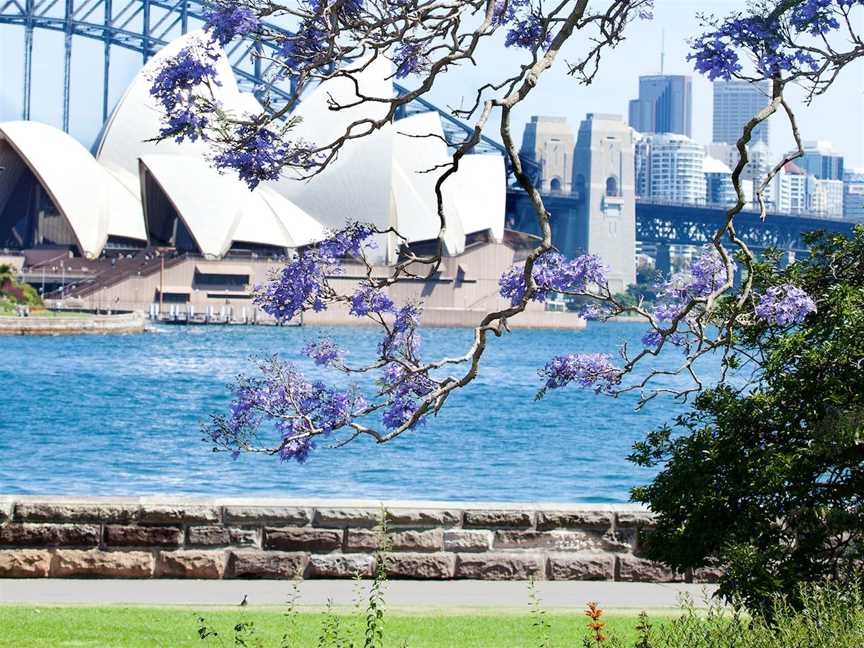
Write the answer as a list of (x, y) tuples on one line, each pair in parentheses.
[(14, 292), (767, 481)]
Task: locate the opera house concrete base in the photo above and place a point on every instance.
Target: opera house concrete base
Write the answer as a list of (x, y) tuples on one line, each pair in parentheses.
[(198, 538), (78, 325)]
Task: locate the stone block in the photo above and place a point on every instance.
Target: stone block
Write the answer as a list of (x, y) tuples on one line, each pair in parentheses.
[(190, 564), (366, 540), (271, 515), (267, 564), (219, 536), (467, 540), (493, 519), (49, 535), (430, 566), (104, 564), (497, 566), (24, 563), (547, 520), (76, 512), (143, 536), (302, 539), (179, 514), (424, 517), (340, 518), (552, 540), (6, 508), (620, 540), (341, 565), (633, 569), (635, 518), (581, 567)]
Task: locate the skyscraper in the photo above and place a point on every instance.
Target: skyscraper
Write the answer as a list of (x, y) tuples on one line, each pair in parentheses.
[(670, 168), (665, 105), (735, 103), (821, 161)]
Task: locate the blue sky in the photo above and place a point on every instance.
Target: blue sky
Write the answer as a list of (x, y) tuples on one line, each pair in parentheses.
[(837, 117)]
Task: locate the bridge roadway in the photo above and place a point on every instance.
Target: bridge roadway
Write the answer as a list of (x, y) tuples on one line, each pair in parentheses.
[(662, 225)]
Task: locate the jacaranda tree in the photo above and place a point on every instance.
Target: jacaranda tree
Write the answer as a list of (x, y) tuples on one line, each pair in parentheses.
[(719, 306)]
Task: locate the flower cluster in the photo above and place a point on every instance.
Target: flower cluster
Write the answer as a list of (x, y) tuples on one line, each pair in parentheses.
[(368, 299), (297, 408), (706, 274), (653, 339), (301, 284), (529, 33), (258, 153), (404, 388), (593, 312), (229, 20), (410, 58), (590, 370), (174, 87), (764, 36), (784, 305), (324, 352), (553, 272)]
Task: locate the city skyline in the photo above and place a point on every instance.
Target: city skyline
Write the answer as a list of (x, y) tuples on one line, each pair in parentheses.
[(614, 86)]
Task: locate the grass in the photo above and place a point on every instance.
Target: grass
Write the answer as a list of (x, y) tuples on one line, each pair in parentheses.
[(151, 627)]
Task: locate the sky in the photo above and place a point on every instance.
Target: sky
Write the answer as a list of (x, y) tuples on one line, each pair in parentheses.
[(837, 117)]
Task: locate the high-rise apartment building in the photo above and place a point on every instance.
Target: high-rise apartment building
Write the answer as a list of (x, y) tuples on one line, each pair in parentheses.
[(821, 161), (665, 105), (672, 169), (735, 103), (549, 142)]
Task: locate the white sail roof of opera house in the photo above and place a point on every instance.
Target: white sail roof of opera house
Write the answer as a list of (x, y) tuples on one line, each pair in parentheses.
[(136, 119), (139, 189), (91, 200), (388, 177), (219, 210)]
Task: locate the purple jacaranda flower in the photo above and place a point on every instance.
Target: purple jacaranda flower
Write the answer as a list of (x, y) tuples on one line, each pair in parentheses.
[(368, 299), (282, 400), (589, 370), (226, 21), (552, 272), (652, 339), (529, 33), (301, 284), (404, 389), (324, 351), (785, 305), (410, 58)]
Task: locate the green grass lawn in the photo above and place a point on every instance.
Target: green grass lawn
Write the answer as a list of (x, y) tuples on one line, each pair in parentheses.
[(128, 627)]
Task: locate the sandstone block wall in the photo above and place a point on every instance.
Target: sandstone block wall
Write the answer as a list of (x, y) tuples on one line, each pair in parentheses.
[(233, 538)]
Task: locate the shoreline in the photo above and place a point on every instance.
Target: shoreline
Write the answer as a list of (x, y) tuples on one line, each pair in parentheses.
[(77, 325)]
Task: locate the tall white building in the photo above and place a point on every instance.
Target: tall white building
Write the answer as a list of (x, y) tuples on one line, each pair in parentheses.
[(675, 169), (826, 198)]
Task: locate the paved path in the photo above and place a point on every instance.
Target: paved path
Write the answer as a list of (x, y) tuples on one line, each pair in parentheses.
[(400, 594)]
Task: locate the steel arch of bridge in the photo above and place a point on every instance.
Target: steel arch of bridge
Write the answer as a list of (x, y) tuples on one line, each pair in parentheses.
[(144, 26)]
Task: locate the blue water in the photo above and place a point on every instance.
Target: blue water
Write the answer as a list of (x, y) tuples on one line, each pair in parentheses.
[(121, 415)]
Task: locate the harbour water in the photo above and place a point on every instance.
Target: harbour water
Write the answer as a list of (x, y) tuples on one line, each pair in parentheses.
[(121, 415)]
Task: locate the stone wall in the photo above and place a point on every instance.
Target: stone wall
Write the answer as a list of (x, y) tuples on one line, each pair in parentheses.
[(78, 325), (261, 538)]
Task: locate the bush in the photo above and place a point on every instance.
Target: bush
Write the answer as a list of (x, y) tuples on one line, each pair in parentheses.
[(766, 480)]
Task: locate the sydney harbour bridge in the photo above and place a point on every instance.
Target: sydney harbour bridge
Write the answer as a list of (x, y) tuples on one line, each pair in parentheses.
[(142, 27)]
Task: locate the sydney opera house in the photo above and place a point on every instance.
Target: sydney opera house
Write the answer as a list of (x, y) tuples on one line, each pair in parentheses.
[(138, 223)]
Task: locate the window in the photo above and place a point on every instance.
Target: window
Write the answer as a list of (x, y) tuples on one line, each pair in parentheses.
[(612, 186)]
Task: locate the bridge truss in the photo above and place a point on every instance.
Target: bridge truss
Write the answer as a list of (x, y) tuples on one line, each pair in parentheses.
[(144, 26), (661, 224)]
